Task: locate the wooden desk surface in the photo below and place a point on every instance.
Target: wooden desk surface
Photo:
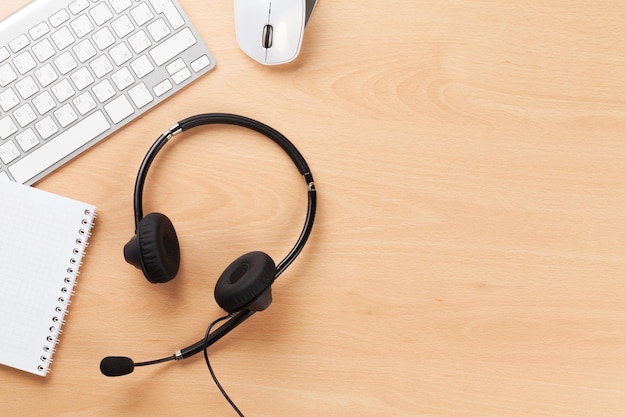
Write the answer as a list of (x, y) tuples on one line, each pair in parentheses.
[(468, 255)]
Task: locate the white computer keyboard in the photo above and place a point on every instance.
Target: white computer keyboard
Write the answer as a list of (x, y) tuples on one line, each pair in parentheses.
[(74, 71)]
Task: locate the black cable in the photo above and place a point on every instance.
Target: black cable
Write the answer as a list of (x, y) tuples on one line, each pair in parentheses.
[(156, 361), (208, 364)]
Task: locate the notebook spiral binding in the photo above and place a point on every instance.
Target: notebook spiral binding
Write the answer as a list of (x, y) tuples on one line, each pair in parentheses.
[(66, 291)]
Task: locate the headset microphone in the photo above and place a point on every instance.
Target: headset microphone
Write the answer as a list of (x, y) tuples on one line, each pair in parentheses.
[(122, 365), (116, 366)]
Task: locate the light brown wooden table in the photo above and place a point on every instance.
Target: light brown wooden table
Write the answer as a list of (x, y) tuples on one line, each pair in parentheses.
[(468, 257)]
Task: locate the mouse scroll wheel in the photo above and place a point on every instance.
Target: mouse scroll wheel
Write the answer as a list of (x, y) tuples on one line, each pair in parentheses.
[(268, 34)]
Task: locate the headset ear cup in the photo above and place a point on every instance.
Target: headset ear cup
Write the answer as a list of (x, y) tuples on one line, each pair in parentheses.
[(246, 283), (154, 249)]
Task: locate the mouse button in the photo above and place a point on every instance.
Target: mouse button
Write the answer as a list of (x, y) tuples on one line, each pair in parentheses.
[(287, 20), (291, 11), (251, 16), (252, 11)]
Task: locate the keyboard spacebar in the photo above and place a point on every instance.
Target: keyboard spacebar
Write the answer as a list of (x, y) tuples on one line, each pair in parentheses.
[(59, 147)]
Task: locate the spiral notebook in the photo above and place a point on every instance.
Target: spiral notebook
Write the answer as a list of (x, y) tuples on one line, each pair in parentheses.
[(43, 237)]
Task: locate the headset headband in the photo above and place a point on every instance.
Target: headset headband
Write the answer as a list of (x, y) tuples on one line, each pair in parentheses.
[(233, 119)]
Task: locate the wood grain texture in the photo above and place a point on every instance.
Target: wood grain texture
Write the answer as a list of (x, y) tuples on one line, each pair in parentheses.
[(468, 255)]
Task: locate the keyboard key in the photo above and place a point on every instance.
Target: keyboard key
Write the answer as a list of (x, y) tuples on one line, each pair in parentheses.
[(62, 38), (162, 87), (142, 66), (4, 53), (122, 26), (175, 66), (39, 30), (82, 78), (173, 46), (19, 43), (27, 87), (84, 103), (140, 95), (120, 54), (59, 18), (24, 115), (27, 139), (181, 75), (7, 75), (61, 146), (81, 26), (169, 10), (119, 109), (103, 38), (101, 66), (44, 102), (63, 90), (139, 42), (141, 14), (8, 152), (120, 5), (46, 127), (122, 78), (46, 75), (101, 14), (103, 90), (7, 127), (200, 63), (158, 29), (84, 50), (65, 115), (43, 50), (78, 6), (65, 63), (8, 99), (24, 62)]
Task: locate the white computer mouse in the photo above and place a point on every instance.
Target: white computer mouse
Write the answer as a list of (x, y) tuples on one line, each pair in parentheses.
[(271, 31)]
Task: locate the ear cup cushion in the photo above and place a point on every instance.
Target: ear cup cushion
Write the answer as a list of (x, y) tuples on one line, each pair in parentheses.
[(159, 249), (244, 280)]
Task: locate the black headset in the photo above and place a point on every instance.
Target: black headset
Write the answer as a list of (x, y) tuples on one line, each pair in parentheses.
[(245, 286)]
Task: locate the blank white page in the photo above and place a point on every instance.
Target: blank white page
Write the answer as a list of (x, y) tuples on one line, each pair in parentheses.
[(43, 237)]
